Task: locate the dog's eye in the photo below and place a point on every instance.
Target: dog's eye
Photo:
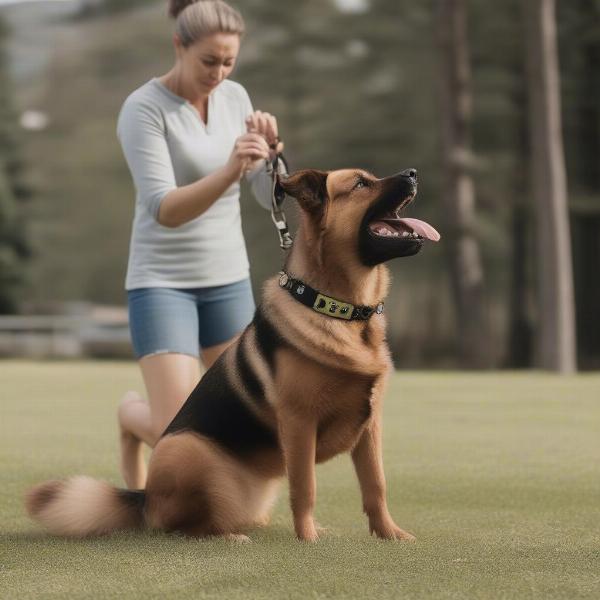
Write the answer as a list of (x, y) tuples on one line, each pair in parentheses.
[(361, 183)]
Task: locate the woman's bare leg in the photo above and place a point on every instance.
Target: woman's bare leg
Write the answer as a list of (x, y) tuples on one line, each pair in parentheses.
[(134, 428), (210, 354), (169, 379)]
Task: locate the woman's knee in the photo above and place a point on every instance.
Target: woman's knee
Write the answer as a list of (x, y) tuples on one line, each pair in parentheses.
[(169, 379), (129, 408), (162, 418)]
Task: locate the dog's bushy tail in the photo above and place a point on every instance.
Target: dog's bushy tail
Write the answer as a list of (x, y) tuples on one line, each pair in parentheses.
[(82, 506)]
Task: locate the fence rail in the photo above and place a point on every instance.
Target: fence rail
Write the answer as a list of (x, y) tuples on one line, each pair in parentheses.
[(100, 332)]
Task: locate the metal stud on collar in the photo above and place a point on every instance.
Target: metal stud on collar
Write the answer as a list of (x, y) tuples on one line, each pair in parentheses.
[(284, 279)]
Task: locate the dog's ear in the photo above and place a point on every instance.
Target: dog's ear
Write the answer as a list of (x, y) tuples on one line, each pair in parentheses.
[(309, 187)]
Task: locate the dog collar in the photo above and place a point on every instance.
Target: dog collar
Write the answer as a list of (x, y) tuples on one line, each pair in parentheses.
[(326, 305)]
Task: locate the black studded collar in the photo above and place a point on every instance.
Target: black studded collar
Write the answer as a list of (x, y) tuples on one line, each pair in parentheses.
[(326, 305)]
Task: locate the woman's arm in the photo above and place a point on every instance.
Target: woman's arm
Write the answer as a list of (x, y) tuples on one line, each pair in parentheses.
[(189, 201), (141, 132)]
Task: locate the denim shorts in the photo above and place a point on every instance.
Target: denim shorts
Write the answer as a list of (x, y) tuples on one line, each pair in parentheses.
[(163, 320)]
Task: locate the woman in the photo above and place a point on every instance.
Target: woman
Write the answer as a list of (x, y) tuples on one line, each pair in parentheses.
[(188, 138)]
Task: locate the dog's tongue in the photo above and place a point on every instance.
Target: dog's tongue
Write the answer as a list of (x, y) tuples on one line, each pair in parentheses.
[(423, 229)]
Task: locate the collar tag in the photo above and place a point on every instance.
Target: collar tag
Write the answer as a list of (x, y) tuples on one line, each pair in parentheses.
[(332, 307)]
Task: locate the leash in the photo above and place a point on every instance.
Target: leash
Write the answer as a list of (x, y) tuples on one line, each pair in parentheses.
[(277, 168), (299, 290)]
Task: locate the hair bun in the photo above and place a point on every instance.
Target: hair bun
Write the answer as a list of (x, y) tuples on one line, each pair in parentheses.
[(176, 6)]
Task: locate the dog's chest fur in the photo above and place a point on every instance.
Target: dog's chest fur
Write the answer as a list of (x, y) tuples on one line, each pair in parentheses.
[(336, 402)]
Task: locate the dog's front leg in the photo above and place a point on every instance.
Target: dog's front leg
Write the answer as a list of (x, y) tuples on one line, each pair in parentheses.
[(298, 439), (368, 462)]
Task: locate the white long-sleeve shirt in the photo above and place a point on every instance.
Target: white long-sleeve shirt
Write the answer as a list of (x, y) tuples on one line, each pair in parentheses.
[(167, 145)]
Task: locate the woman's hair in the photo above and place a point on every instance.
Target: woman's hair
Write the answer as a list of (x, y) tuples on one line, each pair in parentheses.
[(195, 19)]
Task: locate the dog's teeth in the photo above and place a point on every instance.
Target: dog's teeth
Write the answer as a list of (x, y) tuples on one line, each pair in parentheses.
[(405, 234), (396, 234)]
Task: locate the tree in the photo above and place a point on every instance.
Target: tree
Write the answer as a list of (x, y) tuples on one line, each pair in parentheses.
[(13, 245), (556, 322), (458, 190)]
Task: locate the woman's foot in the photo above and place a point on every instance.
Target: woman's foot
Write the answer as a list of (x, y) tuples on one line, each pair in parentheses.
[(133, 466)]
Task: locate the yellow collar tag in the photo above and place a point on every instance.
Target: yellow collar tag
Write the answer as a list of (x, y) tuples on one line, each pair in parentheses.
[(332, 307)]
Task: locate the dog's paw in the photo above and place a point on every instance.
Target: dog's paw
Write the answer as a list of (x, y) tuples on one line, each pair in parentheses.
[(391, 531), (307, 533)]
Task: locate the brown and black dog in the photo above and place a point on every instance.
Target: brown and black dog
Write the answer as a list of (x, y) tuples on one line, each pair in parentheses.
[(303, 383)]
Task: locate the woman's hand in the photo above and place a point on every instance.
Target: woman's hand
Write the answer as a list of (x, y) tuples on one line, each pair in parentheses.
[(249, 149), (265, 124)]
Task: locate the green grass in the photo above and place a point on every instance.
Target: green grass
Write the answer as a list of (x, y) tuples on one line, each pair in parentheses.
[(496, 474)]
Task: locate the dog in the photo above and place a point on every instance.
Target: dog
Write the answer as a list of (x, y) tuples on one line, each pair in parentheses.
[(303, 383)]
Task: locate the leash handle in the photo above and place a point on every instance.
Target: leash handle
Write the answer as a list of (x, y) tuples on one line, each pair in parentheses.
[(277, 168)]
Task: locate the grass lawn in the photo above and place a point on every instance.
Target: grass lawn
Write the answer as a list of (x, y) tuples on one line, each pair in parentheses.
[(498, 476)]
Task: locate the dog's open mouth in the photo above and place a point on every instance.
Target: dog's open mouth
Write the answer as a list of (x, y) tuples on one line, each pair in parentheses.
[(390, 224), (384, 234)]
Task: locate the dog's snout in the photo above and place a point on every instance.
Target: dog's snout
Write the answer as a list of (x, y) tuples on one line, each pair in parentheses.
[(411, 173)]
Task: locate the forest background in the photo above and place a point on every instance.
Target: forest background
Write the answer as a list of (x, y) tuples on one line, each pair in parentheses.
[(353, 83)]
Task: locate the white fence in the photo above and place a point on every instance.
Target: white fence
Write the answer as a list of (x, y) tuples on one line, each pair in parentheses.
[(96, 331)]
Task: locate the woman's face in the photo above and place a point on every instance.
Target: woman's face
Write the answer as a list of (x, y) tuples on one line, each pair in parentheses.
[(208, 61)]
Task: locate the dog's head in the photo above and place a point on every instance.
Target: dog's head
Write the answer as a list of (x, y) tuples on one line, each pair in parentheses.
[(351, 211)]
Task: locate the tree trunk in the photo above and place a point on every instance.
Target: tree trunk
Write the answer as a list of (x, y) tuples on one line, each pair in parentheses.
[(556, 323), (520, 330), (466, 270), (520, 334)]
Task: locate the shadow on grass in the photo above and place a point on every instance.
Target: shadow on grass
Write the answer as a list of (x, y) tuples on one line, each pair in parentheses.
[(271, 533)]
